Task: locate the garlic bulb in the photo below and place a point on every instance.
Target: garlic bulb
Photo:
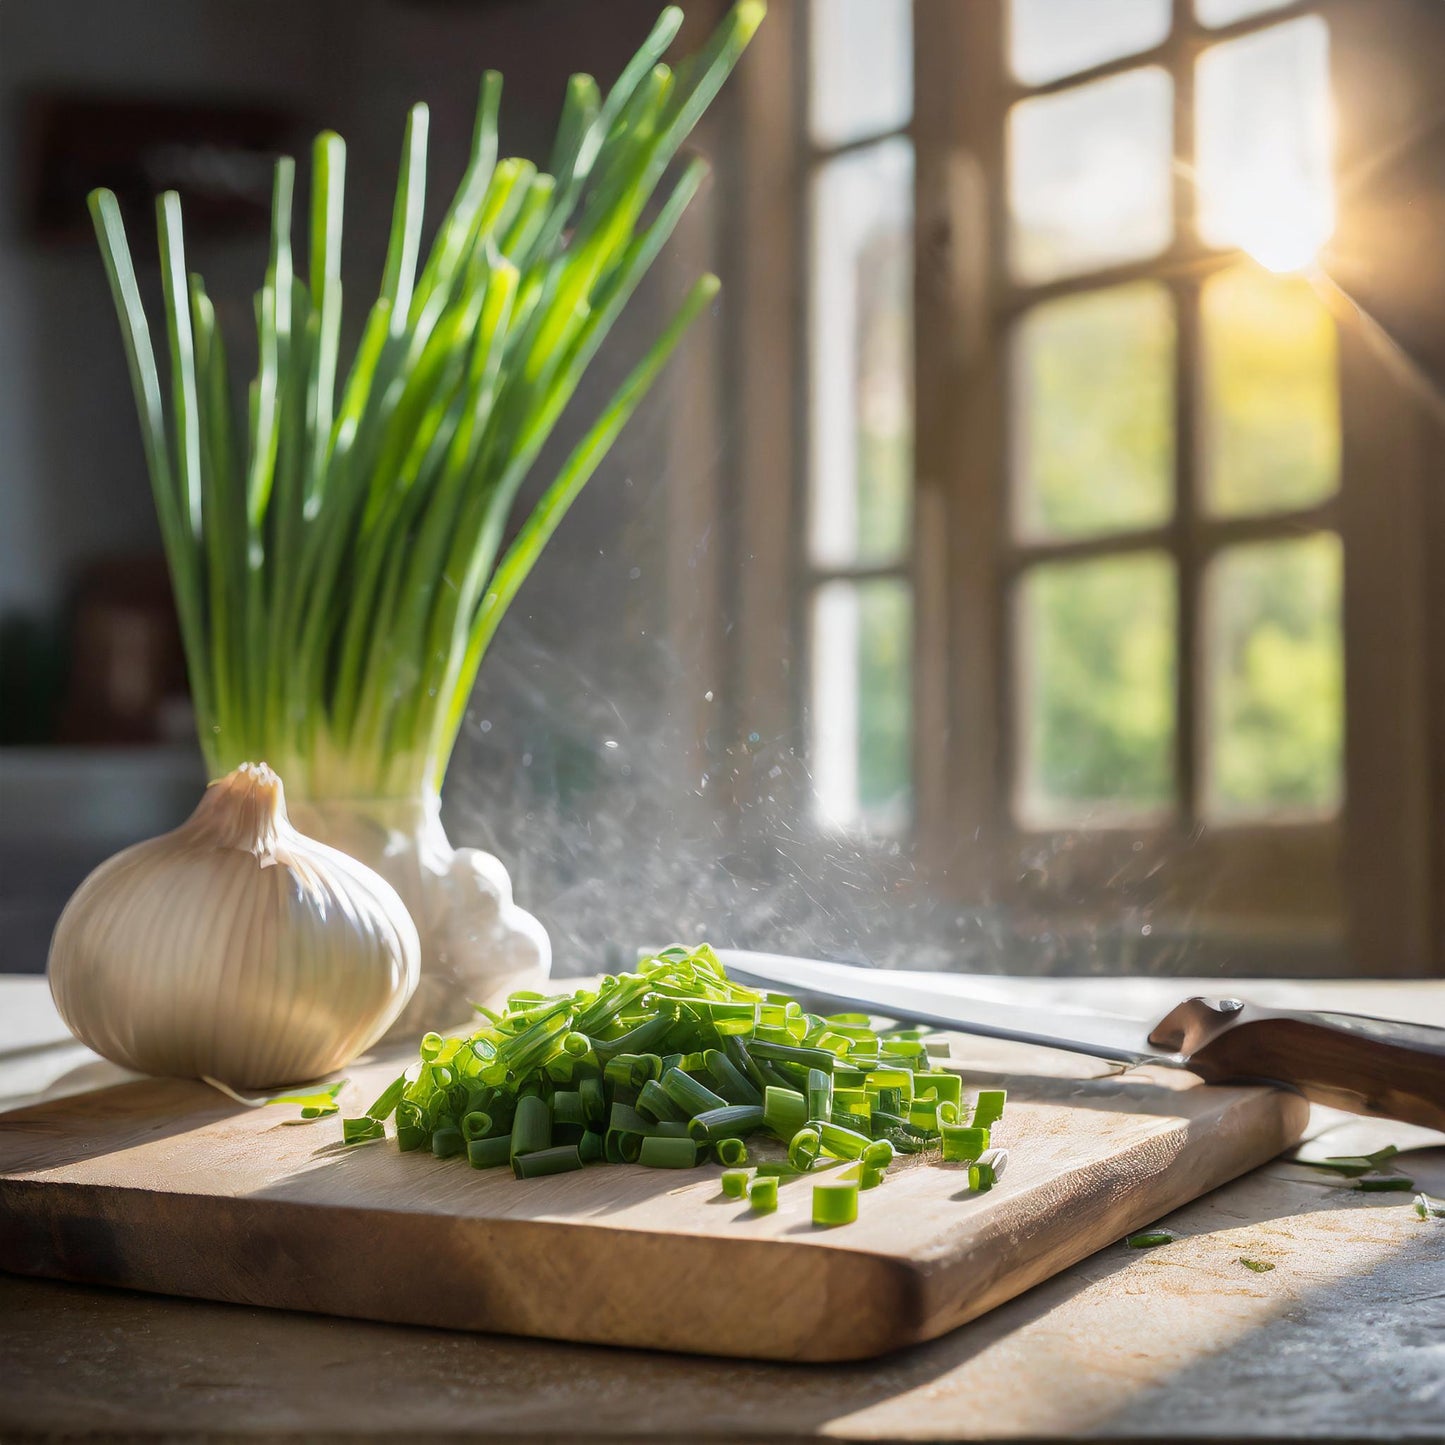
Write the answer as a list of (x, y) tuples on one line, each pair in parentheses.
[(233, 947)]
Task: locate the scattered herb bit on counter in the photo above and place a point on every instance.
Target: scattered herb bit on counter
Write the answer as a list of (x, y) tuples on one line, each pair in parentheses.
[(1388, 1184), (1151, 1238), (1259, 1266), (1352, 1165), (315, 1103), (677, 1065), (1428, 1208)]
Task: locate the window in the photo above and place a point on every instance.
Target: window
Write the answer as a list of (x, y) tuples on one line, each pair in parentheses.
[(859, 455), (1112, 608), (1173, 423)]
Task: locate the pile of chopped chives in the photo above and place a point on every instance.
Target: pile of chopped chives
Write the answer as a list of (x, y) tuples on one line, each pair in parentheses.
[(677, 1065)]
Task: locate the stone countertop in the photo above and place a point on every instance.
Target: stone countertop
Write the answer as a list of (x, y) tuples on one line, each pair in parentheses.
[(1344, 1338)]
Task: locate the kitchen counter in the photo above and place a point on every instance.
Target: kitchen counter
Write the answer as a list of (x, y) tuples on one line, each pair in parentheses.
[(1343, 1338)]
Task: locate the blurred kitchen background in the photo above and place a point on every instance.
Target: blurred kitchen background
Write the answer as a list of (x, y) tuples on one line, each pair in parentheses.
[(1032, 565)]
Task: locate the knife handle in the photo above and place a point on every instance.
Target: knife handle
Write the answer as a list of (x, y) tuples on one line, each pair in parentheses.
[(1348, 1061)]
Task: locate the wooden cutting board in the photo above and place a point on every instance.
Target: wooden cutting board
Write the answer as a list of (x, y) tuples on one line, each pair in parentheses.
[(168, 1186)]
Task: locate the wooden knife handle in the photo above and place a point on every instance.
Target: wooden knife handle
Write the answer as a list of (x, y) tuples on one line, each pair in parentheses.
[(1348, 1061)]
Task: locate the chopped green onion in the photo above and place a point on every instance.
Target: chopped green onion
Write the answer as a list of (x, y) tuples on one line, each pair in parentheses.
[(843, 1143), (785, 1111), (820, 1095), (1428, 1208), (531, 1126), (988, 1108), (654, 1102), (804, 1147), (730, 1120), (731, 1152), (489, 1153), (660, 1153), (1259, 1266), (690, 1096), (1151, 1238), (835, 1201), (358, 1131), (561, 1159), (476, 1125), (730, 1081), (963, 1143), (448, 1141), (735, 1182), (763, 1194), (987, 1170), (1390, 1184)]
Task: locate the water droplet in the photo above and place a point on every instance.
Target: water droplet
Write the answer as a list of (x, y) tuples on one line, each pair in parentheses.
[(1147, 929), (635, 573), (486, 725), (707, 696), (610, 743)]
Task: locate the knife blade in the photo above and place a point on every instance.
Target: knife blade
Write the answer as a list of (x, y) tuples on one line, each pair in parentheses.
[(1348, 1061)]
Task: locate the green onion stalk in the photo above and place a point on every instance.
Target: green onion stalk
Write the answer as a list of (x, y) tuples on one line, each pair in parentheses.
[(336, 545)]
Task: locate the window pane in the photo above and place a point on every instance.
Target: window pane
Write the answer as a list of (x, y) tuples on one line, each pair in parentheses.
[(1271, 422), (862, 68), (862, 702), (1093, 412), (1226, 12), (1275, 684), (1263, 138), (861, 348), (1090, 175), (1050, 38), (1096, 689)]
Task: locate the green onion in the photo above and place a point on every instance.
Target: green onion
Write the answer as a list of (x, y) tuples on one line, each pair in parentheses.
[(476, 1125), (731, 1120), (730, 1151), (561, 1159), (448, 1141), (735, 1182), (655, 1103), (835, 1201), (1391, 1184), (763, 1194), (690, 1096), (1428, 1208), (804, 1148), (358, 1131), (820, 1095), (531, 1126), (612, 1072), (489, 1153), (1259, 1266), (962, 1144), (785, 1111), (987, 1170), (729, 1080), (1151, 1238), (659, 1153), (843, 1143), (988, 1108), (339, 554)]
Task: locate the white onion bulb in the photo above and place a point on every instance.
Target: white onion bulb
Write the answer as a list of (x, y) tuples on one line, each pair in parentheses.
[(233, 947)]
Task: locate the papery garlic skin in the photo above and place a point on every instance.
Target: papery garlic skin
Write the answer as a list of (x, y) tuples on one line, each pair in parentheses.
[(233, 948)]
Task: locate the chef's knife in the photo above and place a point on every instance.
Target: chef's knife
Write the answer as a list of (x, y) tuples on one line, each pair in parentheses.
[(1348, 1061)]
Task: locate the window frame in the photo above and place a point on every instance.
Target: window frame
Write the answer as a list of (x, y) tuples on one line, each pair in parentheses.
[(1364, 892), (1250, 896)]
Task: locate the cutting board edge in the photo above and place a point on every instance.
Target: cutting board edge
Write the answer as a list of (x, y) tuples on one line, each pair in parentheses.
[(60, 1250), (1154, 1200), (904, 1301)]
